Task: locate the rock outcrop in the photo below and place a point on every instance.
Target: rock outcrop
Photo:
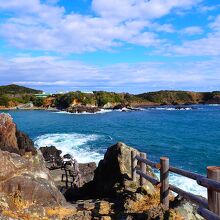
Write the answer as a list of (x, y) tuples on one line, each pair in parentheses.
[(27, 190), (13, 140), (50, 153), (29, 176), (83, 108), (117, 159)]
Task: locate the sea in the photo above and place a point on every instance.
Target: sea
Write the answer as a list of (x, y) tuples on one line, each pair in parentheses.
[(190, 137)]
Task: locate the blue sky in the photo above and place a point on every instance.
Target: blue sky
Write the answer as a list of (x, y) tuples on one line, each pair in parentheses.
[(124, 46)]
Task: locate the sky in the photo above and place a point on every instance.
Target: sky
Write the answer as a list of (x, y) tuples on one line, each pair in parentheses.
[(114, 45)]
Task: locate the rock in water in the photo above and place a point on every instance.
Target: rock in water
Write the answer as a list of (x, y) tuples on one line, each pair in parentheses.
[(51, 152), (82, 109), (13, 140)]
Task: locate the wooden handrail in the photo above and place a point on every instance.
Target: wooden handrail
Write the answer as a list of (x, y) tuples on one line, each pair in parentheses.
[(209, 183), (148, 162), (205, 213), (210, 209), (200, 179), (198, 200), (185, 173), (149, 178)]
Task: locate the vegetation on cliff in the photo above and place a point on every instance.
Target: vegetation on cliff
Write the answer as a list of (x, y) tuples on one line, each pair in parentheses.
[(15, 89), (168, 97), (13, 95), (101, 98)]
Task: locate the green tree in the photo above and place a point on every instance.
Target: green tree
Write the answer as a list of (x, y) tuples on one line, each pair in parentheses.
[(38, 102), (4, 101)]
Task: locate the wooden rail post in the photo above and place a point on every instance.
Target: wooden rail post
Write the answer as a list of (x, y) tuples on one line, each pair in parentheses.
[(213, 172), (164, 180), (133, 165), (143, 168)]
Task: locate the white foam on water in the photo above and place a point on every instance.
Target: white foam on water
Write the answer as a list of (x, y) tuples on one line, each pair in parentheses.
[(172, 109), (213, 104), (187, 185), (102, 111), (74, 144), (78, 146)]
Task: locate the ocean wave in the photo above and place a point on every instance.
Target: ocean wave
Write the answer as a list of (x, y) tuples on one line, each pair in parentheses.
[(130, 109), (75, 144), (213, 104), (172, 108), (186, 184), (84, 113)]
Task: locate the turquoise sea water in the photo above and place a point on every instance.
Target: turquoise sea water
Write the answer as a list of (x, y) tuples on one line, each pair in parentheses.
[(191, 138)]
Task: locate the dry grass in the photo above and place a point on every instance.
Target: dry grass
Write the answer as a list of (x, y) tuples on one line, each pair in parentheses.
[(175, 215), (16, 202), (60, 212), (145, 203)]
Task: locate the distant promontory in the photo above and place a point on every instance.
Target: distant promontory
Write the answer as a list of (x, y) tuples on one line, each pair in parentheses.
[(14, 96)]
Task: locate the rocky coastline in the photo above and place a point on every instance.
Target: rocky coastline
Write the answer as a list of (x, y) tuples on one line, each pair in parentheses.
[(31, 189), (14, 97)]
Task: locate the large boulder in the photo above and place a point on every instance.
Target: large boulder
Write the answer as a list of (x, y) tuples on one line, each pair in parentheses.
[(13, 140), (83, 108), (8, 139), (29, 176), (50, 153), (115, 170)]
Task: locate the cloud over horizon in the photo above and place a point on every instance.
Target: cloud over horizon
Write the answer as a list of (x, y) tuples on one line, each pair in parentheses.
[(46, 43)]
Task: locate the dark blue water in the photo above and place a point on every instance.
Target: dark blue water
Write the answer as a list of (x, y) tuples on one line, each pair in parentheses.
[(190, 138)]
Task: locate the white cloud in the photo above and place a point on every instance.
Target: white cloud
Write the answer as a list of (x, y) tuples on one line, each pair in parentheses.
[(207, 45), (204, 8), (47, 27), (138, 77), (192, 30), (139, 9)]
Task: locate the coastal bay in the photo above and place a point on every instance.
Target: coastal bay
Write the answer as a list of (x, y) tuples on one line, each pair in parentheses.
[(187, 136)]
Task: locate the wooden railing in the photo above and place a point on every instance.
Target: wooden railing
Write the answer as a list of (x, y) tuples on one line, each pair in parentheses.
[(208, 209)]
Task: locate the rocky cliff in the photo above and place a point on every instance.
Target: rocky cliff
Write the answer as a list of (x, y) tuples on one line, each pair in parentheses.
[(12, 96), (13, 140), (27, 190)]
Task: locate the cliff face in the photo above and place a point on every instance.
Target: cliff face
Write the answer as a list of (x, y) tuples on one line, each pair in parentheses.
[(111, 100), (13, 140), (27, 190), (13, 95), (181, 97)]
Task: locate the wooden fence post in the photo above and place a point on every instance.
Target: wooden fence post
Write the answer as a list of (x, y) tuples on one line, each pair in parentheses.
[(213, 172), (133, 165), (143, 168), (164, 180)]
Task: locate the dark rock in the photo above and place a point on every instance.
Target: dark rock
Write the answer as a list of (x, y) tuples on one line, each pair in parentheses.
[(112, 172), (87, 171), (119, 106), (82, 109), (50, 153), (25, 144)]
